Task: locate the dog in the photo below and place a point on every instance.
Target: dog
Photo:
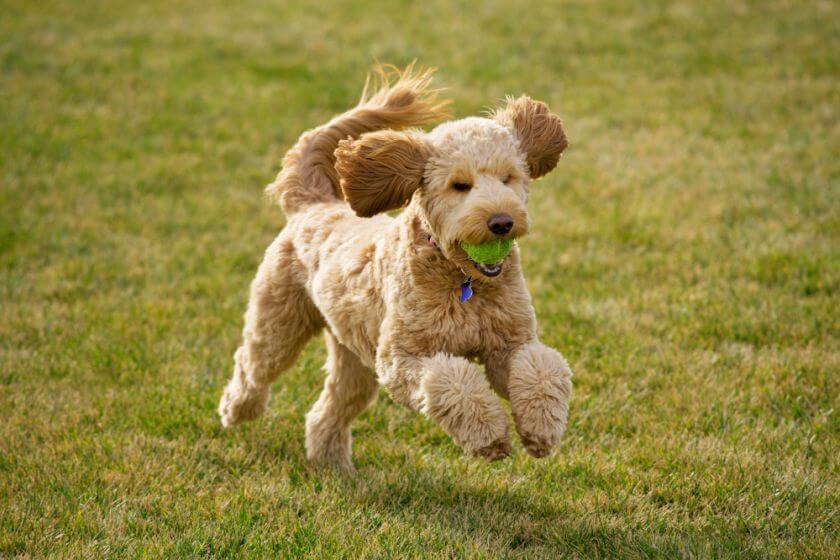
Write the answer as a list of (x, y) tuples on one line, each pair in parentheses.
[(399, 301)]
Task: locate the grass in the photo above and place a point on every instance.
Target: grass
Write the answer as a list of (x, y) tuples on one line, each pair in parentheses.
[(685, 258)]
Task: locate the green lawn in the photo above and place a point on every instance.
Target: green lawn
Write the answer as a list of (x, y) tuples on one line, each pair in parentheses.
[(685, 258)]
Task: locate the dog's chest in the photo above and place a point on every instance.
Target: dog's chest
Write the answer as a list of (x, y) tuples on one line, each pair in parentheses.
[(481, 325)]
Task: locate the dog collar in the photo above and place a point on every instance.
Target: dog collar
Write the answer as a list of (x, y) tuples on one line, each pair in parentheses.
[(466, 289), (466, 285)]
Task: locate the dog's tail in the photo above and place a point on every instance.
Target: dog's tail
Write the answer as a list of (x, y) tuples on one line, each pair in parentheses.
[(399, 99)]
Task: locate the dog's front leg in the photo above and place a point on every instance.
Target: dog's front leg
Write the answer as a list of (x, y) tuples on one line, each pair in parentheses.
[(454, 393), (537, 380)]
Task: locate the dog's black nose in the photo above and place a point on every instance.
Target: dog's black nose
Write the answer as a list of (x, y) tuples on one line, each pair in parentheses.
[(500, 224)]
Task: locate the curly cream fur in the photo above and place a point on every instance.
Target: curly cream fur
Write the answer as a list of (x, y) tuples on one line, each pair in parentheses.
[(308, 174), (385, 297), (540, 132), (381, 170)]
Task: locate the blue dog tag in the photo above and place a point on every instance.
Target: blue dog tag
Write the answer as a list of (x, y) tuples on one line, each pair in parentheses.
[(466, 290)]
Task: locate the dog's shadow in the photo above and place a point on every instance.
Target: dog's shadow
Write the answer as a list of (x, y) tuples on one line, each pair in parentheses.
[(484, 513), (475, 509), (473, 514)]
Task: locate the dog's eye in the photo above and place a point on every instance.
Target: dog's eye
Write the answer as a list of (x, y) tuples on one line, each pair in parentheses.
[(508, 178), (461, 186)]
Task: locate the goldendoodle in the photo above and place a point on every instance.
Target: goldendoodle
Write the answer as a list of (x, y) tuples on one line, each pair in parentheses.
[(406, 301)]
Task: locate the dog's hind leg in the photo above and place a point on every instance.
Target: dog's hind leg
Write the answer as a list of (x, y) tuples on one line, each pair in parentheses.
[(349, 388), (280, 320)]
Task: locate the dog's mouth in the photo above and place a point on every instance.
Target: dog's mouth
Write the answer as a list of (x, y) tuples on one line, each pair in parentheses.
[(481, 256), (490, 270)]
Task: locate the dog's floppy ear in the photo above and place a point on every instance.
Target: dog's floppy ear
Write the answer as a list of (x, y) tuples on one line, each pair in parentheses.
[(380, 170), (539, 131)]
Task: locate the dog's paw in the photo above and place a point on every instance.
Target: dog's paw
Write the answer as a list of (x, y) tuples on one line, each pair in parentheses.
[(328, 445), (540, 425), (339, 463), (540, 386), (496, 451), (237, 406), (337, 460), (459, 398), (537, 446)]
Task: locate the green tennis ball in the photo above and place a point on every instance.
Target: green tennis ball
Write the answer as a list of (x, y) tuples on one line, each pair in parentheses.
[(491, 252)]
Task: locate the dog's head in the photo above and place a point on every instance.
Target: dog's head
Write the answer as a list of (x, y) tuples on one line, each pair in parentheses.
[(470, 177)]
